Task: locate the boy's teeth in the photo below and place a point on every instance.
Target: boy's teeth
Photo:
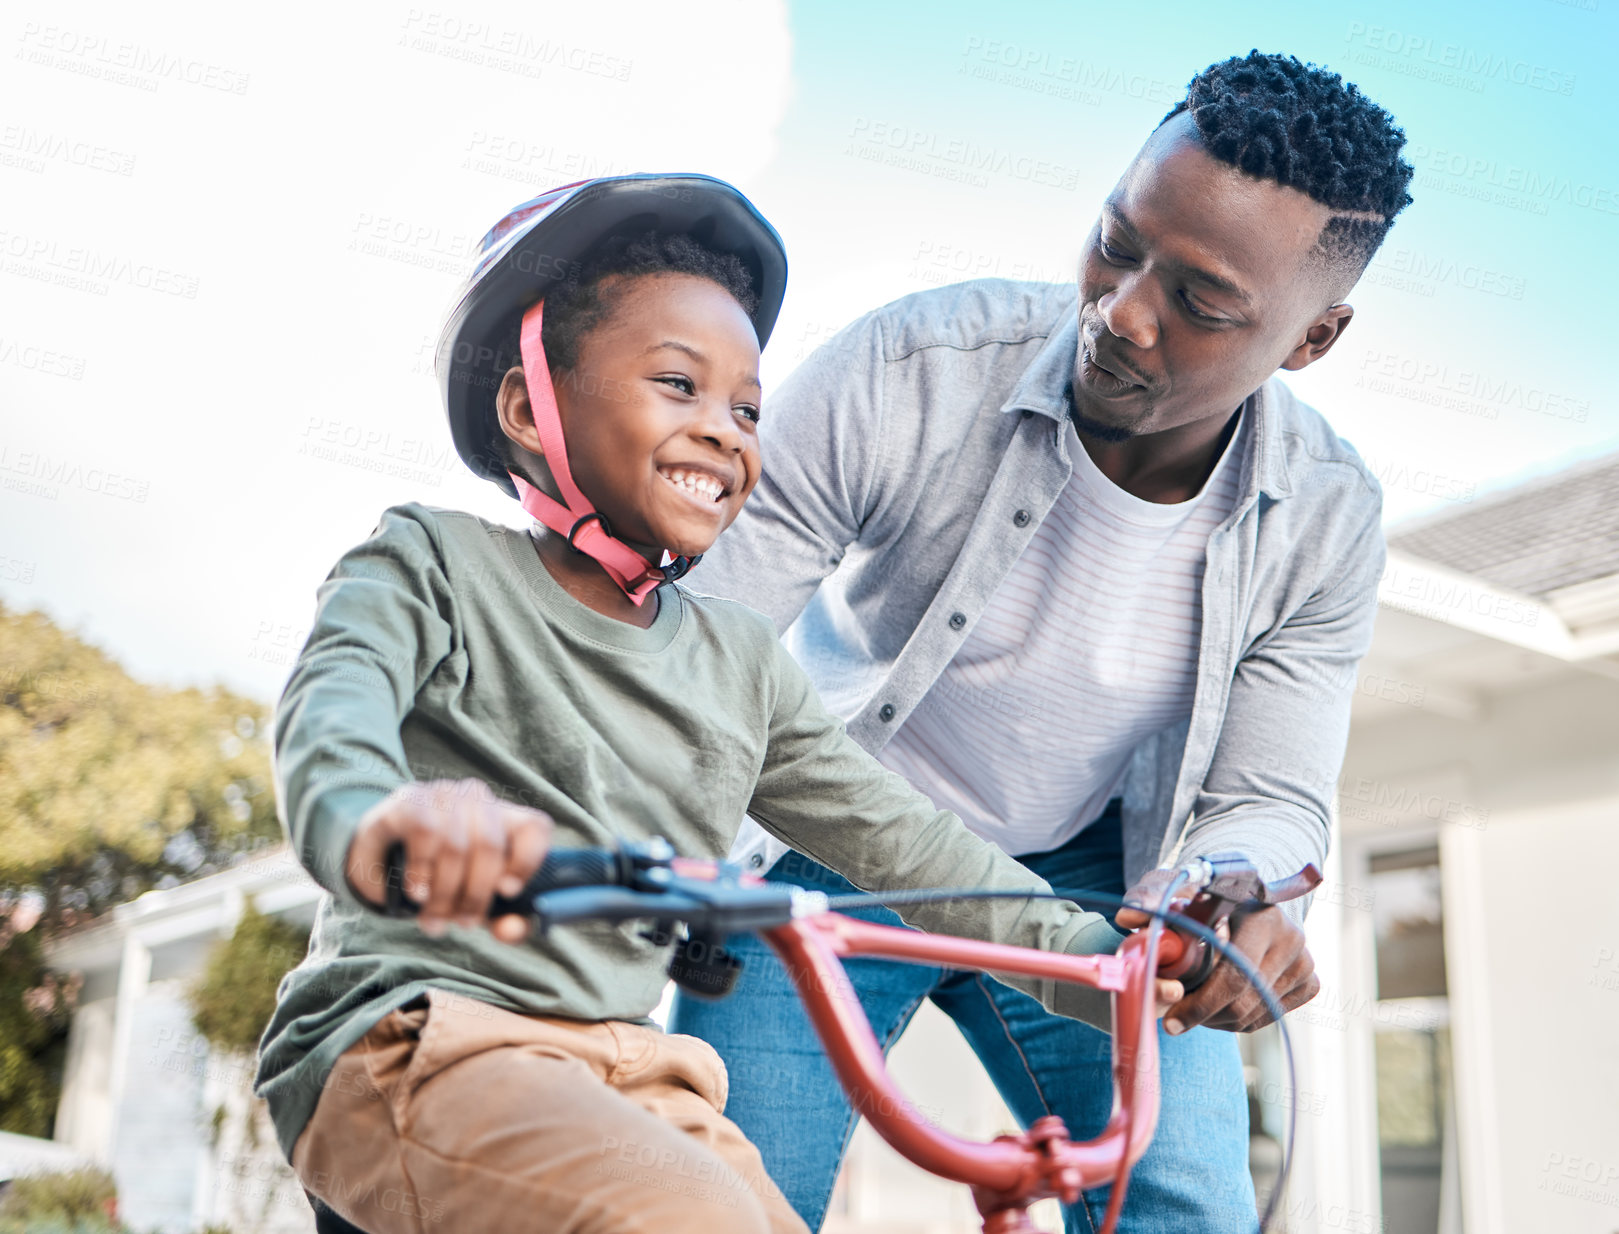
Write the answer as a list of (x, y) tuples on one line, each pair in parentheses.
[(699, 485)]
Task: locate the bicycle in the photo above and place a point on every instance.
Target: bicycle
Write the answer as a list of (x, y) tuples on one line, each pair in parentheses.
[(713, 900)]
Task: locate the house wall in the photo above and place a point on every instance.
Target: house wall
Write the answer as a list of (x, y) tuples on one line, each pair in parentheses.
[(1551, 995), (142, 1088), (161, 1141), (248, 1187), (1523, 799), (84, 1114)]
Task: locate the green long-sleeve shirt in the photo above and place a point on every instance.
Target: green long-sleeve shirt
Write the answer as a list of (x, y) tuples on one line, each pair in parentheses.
[(443, 649)]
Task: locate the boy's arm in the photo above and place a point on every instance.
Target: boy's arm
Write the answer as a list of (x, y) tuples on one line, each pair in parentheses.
[(828, 798), (381, 627)]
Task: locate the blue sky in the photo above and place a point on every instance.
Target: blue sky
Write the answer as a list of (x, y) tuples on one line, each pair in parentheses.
[(1476, 351), (227, 244)]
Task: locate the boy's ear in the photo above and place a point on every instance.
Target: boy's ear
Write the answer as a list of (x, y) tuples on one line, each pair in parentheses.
[(515, 414), (526, 455)]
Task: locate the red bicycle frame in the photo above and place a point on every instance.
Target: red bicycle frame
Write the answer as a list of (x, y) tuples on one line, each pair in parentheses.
[(1012, 1171)]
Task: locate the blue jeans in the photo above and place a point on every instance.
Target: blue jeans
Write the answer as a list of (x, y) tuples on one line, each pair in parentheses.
[(787, 1100)]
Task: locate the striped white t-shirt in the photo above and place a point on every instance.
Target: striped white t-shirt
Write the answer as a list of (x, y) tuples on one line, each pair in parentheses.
[(1088, 646)]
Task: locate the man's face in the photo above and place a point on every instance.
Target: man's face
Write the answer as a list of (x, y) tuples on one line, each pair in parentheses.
[(660, 413), (1196, 284)]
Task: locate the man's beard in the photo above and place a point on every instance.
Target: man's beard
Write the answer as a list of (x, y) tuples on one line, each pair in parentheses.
[(1098, 430)]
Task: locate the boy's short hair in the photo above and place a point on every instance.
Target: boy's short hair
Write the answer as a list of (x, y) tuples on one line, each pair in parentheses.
[(587, 295)]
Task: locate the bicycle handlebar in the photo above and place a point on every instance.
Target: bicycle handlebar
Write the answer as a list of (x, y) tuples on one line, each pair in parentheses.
[(648, 882), (639, 881)]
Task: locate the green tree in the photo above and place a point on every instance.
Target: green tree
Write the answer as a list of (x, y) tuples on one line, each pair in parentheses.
[(34, 1010), (108, 787), (235, 997)]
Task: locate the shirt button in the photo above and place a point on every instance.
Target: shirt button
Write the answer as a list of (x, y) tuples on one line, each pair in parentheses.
[(886, 711), (957, 620), (1021, 518), (757, 860)]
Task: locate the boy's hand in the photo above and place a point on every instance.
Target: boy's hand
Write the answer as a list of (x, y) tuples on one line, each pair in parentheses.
[(462, 846), (1170, 992)]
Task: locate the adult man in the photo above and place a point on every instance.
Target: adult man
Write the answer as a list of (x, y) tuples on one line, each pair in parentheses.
[(1100, 587)]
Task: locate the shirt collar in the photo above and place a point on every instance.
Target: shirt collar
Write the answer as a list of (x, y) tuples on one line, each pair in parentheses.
[(1044, 385)]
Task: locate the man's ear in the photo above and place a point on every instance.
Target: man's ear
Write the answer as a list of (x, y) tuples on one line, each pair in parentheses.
[(1319, 338)]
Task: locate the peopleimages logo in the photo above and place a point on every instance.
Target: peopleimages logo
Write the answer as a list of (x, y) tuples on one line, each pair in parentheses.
[(1439, 596), (41, 475), (35, 359), (1391, 803), (1536, 186), (476, 42), (33, 148), (1410, 269), (1438, 383), (1044, 71), (1422, 480), (1442, 61), (121, 61), (88, 269), (918, 149)]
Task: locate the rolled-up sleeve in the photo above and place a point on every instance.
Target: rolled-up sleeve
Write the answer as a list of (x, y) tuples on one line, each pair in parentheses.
[(1269, 790)]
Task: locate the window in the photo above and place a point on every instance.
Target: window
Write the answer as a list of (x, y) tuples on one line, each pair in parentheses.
[(1415, 1124)]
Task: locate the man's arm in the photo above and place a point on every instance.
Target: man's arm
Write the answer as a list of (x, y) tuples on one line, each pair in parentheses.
[(1269, 789), (820, 441)]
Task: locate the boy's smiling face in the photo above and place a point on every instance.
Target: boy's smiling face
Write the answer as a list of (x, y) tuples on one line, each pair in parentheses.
[(660, 413)]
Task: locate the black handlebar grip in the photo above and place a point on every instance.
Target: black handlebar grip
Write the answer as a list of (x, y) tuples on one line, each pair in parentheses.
[(1204, 967), (562, 867)]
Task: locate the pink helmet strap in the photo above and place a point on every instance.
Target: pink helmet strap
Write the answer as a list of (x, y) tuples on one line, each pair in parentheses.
[(586, 529)]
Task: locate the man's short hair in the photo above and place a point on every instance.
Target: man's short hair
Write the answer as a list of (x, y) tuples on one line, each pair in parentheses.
[(1280, 119)]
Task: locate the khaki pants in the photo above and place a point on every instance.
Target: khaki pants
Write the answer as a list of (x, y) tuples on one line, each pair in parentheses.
[(457, 1117)]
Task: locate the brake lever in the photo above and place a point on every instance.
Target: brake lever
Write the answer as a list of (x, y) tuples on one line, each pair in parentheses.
[(1228, 886)]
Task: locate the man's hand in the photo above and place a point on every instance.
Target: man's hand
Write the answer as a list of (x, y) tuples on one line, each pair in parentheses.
[(1272, 943), (462, 845)]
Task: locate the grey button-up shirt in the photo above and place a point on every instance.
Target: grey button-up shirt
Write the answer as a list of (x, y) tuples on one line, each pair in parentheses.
[(910, 459)]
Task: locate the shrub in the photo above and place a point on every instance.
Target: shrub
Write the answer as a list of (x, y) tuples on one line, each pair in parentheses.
[(235, 997), (81, 1201)]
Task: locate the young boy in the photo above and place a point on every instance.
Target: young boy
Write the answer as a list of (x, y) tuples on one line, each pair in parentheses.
[(479, 693)]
